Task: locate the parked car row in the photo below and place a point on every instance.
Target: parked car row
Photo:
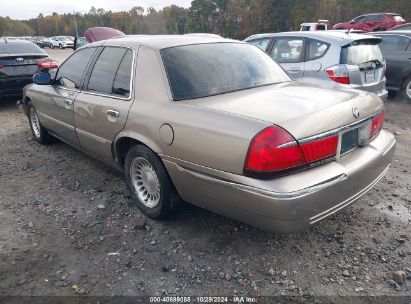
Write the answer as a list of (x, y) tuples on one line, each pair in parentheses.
[(61, 42), (218, 123)]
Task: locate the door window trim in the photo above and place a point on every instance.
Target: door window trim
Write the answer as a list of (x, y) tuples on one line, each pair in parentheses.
[(91, 67)]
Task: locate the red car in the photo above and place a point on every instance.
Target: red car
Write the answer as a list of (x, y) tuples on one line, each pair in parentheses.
[(372, 22)]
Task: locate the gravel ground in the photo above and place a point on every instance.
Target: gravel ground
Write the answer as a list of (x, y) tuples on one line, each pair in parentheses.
[(68, 227)]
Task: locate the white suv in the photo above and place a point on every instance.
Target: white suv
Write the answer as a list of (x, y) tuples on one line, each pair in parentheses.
[(61, 42)]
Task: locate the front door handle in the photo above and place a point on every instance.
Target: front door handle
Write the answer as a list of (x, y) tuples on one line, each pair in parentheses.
[(113, 113)]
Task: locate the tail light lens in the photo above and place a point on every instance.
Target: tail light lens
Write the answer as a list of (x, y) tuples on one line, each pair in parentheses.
[(338, 73), (376, 125), (275, 152), (47, 64), (1, 66)]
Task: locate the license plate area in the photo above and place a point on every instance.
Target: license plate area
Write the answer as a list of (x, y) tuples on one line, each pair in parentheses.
[(354, 138), (370, 76), (349, 141)]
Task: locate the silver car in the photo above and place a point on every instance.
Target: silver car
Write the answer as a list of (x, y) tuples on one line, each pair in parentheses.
[(328, 58)]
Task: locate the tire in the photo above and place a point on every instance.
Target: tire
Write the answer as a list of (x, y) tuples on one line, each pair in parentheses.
[(149, 184), (40, 134), (406, 89), (51, 46), (60, 46)]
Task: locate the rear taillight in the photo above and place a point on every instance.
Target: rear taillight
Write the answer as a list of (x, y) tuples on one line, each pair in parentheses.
[(1, 66), (376, 125), (47, 64), (275, 152), (338, 73)]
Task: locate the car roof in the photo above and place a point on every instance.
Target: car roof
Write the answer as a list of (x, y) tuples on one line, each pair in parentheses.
[(339, 37), (404, 32), (161, 41), (3, 41)]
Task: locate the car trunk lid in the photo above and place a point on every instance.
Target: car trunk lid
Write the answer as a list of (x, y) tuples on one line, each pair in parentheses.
[(303, 110), (19, 65), (365, 64)]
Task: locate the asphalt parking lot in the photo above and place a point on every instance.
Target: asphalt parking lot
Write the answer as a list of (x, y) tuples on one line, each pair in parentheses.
[(68, 226)]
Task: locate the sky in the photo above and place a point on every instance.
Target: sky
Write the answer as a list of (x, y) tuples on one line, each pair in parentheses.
[(26, 9)]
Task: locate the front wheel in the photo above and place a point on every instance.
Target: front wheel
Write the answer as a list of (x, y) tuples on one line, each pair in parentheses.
[(406, 89), (39, 132), (51, 46), (60, 46), (149, 184)]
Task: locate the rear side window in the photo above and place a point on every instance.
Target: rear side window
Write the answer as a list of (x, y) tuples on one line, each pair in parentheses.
[(316, 49), (320, 27), (371, 18), (72, 70), (362, 53), (398, 18), (122, 81), (262, 43), (105, 70), (288, 50), (20, 48), (392, 43), (305, 28)]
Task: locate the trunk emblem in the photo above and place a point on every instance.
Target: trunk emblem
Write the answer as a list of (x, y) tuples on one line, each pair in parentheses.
[(20, 59), (355, 112)]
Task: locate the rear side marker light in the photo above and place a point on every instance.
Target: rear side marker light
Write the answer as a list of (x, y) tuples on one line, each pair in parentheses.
[(338, 73)]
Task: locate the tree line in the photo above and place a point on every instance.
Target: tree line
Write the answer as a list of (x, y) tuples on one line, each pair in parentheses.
[(230, 18)]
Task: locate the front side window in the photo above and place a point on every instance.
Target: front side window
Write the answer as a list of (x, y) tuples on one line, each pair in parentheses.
[(201, 70), (288, 50), (105, 70), (71, 72), (393, 43), (261, 43)]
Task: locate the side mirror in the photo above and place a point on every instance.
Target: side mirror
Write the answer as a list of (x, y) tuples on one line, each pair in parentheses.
[(43, 78), (352, 21)]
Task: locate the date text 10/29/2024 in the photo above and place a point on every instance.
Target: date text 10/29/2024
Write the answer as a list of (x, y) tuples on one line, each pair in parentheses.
[(206, 299)]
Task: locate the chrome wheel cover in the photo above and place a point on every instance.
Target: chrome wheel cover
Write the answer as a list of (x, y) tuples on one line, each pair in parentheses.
[(145, 182), (35, 123), (408, 89)]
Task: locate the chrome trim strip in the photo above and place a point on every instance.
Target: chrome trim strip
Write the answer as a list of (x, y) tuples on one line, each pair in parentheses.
[(263, 192), (56, 121), (336, 131), (348, 201), (92, 136)]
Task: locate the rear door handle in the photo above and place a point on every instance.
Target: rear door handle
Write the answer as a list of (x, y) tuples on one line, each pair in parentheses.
[(68, 102), (294, 70), (112, 113)]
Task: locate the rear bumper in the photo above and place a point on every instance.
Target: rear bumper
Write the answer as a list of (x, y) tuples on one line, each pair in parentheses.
[(289, 203)]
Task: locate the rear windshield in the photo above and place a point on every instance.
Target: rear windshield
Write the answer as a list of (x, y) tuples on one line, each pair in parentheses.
[(202, 70), (20, 48), (362, 53)]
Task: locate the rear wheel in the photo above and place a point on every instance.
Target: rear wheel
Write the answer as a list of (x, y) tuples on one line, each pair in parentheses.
[(148, 182), (406, 89), (39, 132)]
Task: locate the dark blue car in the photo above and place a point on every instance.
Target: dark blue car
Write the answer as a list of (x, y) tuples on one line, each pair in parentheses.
[(19, 61)]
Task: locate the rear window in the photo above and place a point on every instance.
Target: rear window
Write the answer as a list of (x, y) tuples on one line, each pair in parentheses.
[(398, 18), (362, 53), (20, 48), (201, 70)]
